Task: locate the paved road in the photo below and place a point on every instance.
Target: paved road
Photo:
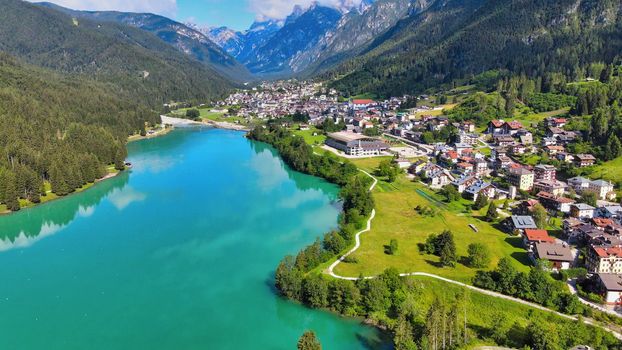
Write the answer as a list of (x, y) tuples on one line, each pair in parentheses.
[(357, 244)]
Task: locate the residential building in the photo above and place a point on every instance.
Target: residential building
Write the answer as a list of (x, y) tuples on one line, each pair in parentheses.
[(611, 288), (559, 255), (583, 160), (604, 189), (582, 210), (557, 188), (603, 259), (545, 172), (521, 223), (521, 178), (533, 236)]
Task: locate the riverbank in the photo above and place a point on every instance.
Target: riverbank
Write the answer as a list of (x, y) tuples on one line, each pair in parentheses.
[(163, 130)]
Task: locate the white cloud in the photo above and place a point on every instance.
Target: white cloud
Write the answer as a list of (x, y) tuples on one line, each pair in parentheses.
[(161, 7), (279, 9)]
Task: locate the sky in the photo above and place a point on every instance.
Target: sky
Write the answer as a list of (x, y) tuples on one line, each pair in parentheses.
[(236, 14)]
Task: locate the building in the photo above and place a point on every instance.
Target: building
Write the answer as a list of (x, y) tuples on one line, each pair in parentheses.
[(604, 189), (582, 210), (356, 144), (361, 104), (579, 184), (467, 138), (545, 172), (556, 188), (611, 287), (521, 223), (583, 160), (610, 212), (603, 259), (533, 236), (521, 178), (480, 188), (558, 203), (512, 127), (560, 256), (495, 127)]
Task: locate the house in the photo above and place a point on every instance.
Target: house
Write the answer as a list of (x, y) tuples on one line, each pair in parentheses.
[(503, 162), (610, 212), (417, 166), (579, 184), (582, 210), (553, 150), (604, 189), (603, 259), (558, 203), (512, 127), (495, 127), (503, 140), (521, 223), (361, 104), (557, 188), (480, 188), (559, 255), (556, 122), (570, 226), (545, 172), (355, 144), (611, 287), (521, 178), (440, 179), (463, 182), (481, 167), (564, 156), (467, 138), (583, 160), (533, 236)]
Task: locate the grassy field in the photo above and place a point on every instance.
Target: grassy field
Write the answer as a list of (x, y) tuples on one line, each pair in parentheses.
[(396, 218), (311, 139), (611, 170), (529, 119), (207, 114)]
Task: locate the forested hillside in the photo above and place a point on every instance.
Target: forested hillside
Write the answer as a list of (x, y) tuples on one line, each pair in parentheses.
[(187, 40), (455, 39), (60, 129), (139, 64)]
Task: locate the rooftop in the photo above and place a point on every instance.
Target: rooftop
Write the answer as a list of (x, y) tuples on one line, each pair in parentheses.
[(611, 281), (551, 251), (523, 222), (538, 235)]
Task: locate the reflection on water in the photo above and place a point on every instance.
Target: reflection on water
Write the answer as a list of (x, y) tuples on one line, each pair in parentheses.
[(24, 228)]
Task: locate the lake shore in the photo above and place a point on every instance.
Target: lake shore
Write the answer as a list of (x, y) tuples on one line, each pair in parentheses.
[(180, 122)]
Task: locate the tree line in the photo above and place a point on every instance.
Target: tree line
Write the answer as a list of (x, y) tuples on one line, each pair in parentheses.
[(59, 129)]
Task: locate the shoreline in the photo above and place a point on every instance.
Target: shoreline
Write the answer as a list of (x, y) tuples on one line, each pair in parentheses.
[(175, 122)]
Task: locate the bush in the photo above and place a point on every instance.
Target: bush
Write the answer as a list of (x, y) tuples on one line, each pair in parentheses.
[(391, 249)]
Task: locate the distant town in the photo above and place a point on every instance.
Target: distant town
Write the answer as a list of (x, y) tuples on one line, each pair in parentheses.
[(485, 162)]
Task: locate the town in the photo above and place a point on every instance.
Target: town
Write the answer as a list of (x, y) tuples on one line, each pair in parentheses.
[(568, 222)]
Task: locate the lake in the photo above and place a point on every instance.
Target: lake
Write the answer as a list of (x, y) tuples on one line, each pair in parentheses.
[(177, 253)]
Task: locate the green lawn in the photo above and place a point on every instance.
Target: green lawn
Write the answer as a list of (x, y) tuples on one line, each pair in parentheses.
[(397, 219), (311, 139)]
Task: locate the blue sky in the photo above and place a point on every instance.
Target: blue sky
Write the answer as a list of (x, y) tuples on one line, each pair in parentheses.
[(236, 14)]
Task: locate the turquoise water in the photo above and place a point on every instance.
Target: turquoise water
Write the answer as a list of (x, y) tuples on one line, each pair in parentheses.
[(178, 253)]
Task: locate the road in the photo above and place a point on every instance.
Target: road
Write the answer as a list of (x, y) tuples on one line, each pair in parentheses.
[(357, 244)]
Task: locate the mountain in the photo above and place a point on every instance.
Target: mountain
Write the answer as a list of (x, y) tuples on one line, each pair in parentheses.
[(135, 62), (356, 30), (184, 38), (456, 39), (277, 56), (241, 45)]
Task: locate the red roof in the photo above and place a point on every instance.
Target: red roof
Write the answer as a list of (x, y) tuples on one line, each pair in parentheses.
[(602, 222), (538, 236), (363, 102), (514, 125), (452, 154), (560, 120), (606, 252), (497, 123)]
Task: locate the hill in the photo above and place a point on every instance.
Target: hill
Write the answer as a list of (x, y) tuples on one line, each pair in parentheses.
[(186, 39), (61, 130), (138, 63), (454, 39)]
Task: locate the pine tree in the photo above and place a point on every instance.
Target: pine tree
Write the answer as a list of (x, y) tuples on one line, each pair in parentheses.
[(11, 196), (308, 341), (614, 148)]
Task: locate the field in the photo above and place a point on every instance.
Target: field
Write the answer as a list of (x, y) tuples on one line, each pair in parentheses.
[(311, 139), (529, 119), (611, 171), (207, 114), (396, 218)]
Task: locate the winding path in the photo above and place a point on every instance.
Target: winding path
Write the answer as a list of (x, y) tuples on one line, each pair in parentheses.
[(357, 239)]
